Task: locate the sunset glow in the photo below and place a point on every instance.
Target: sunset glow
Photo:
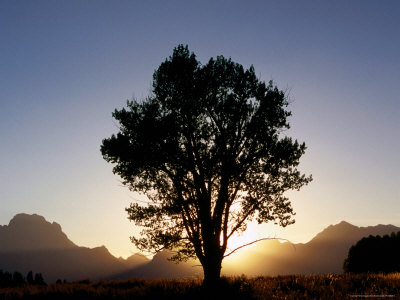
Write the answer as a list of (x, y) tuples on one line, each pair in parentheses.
[(250, 235), (66, 65)]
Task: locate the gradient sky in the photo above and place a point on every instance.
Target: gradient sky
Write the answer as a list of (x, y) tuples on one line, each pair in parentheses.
[(66, 65)]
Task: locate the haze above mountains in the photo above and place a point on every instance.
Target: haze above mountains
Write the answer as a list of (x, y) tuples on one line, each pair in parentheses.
[(29, 242)]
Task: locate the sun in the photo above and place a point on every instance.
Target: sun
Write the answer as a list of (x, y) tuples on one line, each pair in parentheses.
[(248, 236)]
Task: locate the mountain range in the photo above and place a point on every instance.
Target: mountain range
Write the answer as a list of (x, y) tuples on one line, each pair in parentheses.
[(29, 242), (325, 253)]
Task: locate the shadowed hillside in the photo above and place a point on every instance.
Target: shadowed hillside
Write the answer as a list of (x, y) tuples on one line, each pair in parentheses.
[(29, 242), (161, 267), (325, 253)]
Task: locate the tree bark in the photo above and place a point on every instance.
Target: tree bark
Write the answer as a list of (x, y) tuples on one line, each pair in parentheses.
[(212, 270)]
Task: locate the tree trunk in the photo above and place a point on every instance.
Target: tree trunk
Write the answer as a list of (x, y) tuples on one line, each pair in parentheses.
[(212, 271)]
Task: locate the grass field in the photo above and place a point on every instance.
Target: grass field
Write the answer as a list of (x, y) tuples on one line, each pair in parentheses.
[(347, 286)]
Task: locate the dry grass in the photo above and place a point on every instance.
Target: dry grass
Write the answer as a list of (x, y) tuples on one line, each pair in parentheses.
[(378, 286)]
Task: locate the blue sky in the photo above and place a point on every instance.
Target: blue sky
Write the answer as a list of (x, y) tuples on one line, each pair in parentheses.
[(66, 65)]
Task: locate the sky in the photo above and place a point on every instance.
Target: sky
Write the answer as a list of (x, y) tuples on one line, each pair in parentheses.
[(66, 65)]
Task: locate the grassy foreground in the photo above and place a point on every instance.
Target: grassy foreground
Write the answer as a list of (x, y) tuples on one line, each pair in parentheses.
[(347, 286)]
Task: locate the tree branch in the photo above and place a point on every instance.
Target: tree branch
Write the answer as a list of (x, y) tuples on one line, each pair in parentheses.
[(259, 240), (238, 224)]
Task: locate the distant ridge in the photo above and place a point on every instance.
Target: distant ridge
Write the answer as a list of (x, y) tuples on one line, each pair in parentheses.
[(161, 267), (29, 242), (347, 231), (325, 253)]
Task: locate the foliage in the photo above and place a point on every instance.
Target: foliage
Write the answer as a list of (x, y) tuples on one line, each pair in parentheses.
[(327, 286), (208, 149), (374, 254)]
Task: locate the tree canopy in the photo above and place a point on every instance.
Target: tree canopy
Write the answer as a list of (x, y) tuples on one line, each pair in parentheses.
[(374, 254), (209, 148)]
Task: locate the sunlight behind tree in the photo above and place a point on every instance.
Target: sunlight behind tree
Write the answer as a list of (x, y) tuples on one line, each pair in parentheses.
[(209, 148)]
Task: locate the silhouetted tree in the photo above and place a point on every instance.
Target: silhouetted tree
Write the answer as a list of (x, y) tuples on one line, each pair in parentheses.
[(39, 279), (207, 147), (29, 278), (8, 279), (18, 279), (5, 279), (374, 254)]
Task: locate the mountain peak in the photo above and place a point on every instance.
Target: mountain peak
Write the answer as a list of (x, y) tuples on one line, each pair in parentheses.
[(136, 259), (344, 223), (346, 231), (30, 242), (336, 232), (23, 219), (27, 232)]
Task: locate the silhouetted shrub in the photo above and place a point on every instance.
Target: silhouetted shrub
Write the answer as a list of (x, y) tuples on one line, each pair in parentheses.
[(374, 254)]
